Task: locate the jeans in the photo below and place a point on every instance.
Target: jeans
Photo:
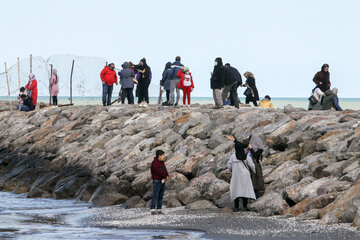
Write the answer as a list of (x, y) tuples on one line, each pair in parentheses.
[(127, 93), (173, 85), (158, 194), (23, 108), (106, 97), (232, 88)]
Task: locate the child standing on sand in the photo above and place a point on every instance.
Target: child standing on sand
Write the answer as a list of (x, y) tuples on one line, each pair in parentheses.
[(186, 84), (159, 175)]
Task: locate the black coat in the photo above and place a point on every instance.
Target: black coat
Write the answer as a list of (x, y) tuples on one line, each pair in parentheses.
[(28, 103), (235, 74), (217, 80), (251, 83)]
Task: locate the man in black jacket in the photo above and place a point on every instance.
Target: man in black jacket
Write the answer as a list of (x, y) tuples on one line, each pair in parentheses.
[(217, 82), (232, 81)]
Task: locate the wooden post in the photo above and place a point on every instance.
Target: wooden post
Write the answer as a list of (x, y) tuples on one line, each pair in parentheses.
[(160, 95), (8, 85), (18, 61), (51, 70), (72, 69), (30, 63)]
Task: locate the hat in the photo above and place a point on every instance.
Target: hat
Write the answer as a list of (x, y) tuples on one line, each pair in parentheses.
[(186, 69)]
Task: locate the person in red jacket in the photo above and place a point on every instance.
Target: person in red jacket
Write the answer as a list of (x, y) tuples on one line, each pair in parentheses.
[(108, 78), (31, 88), (186, 84), (159, 175)]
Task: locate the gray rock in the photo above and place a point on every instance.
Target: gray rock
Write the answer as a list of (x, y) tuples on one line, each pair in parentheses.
[(134, 202), (272, 201), (189, 195)]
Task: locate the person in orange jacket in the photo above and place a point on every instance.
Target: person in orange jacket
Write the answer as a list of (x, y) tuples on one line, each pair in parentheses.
[(108, 78), (186, 84)]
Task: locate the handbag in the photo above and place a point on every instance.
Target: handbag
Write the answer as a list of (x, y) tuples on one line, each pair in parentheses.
[(312, 99), (248, 92)]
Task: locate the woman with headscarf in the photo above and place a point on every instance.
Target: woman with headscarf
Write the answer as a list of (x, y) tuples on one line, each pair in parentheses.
[(165, 82), (322, 78), (256, 148), (251, 91), (331, 100), (31, 88), (54, 82), (144, 72), (240, 165)]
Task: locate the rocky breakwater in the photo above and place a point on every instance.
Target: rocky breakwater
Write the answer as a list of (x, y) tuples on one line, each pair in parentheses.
[(102, 155)]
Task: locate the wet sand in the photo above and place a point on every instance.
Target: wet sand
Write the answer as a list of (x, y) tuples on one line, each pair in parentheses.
[(218, 224)]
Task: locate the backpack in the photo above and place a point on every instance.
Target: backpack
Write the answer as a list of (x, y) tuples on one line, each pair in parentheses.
[(187, 80)]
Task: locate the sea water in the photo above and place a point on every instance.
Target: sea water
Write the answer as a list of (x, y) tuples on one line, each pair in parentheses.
[(44, 219), (345, 103)]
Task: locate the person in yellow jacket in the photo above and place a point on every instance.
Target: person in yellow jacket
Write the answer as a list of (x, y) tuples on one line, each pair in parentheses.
[(266, 103)]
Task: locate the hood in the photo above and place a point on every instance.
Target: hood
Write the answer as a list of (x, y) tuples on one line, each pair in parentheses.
[(328, 92), (144, 61), (125, 65), (219, 61), (335, 91), (168, 65)]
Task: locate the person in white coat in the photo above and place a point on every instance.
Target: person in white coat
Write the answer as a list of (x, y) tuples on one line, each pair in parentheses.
[(240, 165)]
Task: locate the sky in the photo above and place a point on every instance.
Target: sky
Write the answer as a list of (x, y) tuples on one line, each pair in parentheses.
[(283, 42)]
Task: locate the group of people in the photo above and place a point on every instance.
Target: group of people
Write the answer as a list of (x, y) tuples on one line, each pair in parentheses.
[(27, 98), (129, 76), (322, 98), (247, 180)]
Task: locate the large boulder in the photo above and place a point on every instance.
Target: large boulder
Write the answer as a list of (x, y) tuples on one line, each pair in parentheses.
[(271, 202), (209, 186)]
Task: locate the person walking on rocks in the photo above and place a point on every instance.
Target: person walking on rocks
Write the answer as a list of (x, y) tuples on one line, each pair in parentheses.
[(251, 91), (238, 78), (54, 81), (240, 165), (322, 78), (144, 76), (255, 150), (166, 82), (31, 88), (175, 67), (159, 175), (217, 82), (108, 78), (331, 100), (127, 83), (230, 85), (186, 84)]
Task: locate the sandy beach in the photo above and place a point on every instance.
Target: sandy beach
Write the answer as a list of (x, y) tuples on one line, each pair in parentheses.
[(220, 224)]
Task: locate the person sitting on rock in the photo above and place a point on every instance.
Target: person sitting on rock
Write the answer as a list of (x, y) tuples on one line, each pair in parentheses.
[(255, 149), (240, 165), (27, 104), (331, 100), (159, 175), (315, 103), (266, 102)]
